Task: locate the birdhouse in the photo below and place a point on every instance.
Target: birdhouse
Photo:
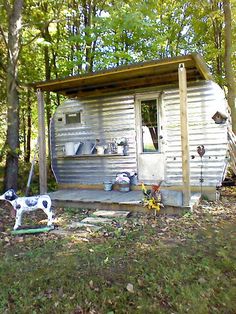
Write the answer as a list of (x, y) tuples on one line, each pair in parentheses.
[(219, 118)]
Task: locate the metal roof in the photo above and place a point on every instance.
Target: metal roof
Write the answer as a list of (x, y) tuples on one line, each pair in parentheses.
[(139, 75)]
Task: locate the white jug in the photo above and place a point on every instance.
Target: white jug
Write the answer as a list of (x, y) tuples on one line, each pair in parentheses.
[(100, 150), (71, 148)]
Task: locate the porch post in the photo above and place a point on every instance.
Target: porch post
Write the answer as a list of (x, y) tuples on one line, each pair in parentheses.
[(184, 134), (42, 144)]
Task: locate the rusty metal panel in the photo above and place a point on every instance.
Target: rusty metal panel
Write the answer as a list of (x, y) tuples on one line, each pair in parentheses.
[(104, 119), (204, 99)]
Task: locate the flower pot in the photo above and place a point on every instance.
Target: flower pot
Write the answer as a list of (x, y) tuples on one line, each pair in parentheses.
[(120, 150), (124, 187)]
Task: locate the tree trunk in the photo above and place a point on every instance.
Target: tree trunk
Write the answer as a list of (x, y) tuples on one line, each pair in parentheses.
[(46, 35), (14, 28), (229, 72), (217, 23)]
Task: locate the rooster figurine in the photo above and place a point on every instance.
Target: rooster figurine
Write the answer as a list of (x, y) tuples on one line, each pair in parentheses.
[(201, 150)]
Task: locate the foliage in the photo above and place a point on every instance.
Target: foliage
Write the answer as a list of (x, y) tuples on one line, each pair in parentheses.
[(74, 37)]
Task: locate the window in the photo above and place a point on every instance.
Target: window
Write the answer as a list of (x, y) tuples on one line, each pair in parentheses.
[(149, 125), (74, 117)]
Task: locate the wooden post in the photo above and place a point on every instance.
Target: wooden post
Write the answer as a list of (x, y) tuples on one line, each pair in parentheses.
[(184, 134), (42, 144)]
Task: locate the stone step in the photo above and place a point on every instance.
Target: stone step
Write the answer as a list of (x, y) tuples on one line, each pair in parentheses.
[(96, 220), (111, 213), (80, 224)]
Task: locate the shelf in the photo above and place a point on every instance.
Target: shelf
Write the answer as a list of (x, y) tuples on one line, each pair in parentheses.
[(90, 156)]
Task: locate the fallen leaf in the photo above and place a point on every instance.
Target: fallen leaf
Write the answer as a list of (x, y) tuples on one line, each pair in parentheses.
[(202, 280), (130, 288), (106, 260), (6, 239), (140, 283), (91, 284), (72, 297)]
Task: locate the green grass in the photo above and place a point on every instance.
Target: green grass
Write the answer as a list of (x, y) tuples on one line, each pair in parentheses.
[(52, 275)]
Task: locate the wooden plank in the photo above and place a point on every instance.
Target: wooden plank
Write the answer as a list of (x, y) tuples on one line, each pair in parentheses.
[(201, 66), (99, 89), (184, 134), (111, 74), (42, 144)]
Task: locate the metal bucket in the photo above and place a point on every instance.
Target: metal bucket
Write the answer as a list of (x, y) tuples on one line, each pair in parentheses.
[(107, 186), (124, 187)]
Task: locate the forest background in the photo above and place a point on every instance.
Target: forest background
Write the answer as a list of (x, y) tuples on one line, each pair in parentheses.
[(43, 40)]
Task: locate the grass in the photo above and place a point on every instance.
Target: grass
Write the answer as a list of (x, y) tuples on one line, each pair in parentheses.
[(198, 277), (167, 265)]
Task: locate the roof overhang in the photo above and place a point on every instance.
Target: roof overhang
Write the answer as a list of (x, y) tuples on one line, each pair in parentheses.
[(135, 76)]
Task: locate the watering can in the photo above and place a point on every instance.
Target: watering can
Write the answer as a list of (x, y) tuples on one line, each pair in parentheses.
[(72, 148)]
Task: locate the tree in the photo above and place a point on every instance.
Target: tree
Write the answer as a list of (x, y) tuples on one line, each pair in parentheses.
[(12, 41), (229, 71)]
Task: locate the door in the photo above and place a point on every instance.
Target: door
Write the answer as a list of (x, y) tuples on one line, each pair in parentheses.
[(151, 159)]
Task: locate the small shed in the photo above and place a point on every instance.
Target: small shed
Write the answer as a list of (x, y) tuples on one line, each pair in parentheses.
[(161, 111)]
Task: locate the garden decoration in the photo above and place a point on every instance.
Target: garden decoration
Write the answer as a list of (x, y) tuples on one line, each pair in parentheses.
[(152, 198), (201, 151), (28, 204)]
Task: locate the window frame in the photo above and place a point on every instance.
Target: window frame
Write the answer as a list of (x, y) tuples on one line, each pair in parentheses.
[(75, 112), (139, 98)]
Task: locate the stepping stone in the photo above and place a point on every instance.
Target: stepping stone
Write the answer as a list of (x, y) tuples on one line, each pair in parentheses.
[(111, 213), (75, 225), (96, 220)]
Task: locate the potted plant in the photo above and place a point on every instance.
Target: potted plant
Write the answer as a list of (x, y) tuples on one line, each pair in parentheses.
[(121, 143), (123, 182)]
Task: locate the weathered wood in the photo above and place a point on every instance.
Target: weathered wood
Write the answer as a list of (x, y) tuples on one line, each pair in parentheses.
[(42, 144), (184, 134), (163, 70), (100, 187), (127, 84)]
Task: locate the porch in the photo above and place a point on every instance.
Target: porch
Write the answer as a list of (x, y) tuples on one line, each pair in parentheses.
[(116, 200)]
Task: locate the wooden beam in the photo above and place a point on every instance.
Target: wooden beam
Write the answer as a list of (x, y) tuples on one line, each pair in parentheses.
[(42, 144), (184, 134), (126, 84), (132, 70)]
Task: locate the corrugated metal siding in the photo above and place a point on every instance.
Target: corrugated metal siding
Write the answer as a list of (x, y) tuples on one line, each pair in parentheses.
[(204, 99), (104, 119), (111, 117)]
